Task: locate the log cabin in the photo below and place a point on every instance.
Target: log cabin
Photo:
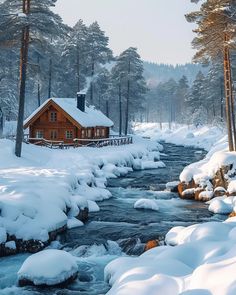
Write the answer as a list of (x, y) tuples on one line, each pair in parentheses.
[(67, 119)]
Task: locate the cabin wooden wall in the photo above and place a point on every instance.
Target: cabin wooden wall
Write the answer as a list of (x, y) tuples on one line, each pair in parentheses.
[(44, 124)]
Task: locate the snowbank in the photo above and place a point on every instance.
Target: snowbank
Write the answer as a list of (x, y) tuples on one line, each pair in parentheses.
[(215, 174), (202, 261), (202, 137), (46, 189), (48, 267)]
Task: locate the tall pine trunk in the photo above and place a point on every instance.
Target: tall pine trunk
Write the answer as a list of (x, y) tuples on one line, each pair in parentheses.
[(1, 123), (120, 110), (23, 74), (39, 95), (107, 108), (91, 84), (50, 79), (127, 101), (78, 69), (228, 93), (221, 101)]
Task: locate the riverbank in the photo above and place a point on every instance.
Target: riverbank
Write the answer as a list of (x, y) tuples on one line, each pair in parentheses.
[(173, 269), (47, 191), (204, 137), (118, 229)]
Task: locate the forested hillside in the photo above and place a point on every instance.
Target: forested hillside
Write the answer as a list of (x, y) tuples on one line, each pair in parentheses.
[(156, 73)]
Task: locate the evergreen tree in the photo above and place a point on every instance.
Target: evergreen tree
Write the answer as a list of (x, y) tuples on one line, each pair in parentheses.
[(35, 23), (99, 53), (216, 32), (196, 101), (129, 77), (76, 53), (181, 94), (102, 85)]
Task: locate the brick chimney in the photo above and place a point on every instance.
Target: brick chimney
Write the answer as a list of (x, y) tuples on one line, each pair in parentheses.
[(81, 101)]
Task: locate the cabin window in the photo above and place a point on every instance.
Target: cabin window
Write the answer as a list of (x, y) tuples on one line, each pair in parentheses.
[(98, 132), (82, 133), (69, 134), (103, 132), (89, 133), (53, 134), (53, 116), (39, 134)]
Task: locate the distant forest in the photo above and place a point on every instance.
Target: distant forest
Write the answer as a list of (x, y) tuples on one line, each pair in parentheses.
[(155, 73)]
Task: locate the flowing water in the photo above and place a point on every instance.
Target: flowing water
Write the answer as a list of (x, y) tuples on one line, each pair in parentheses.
[(119, 229)]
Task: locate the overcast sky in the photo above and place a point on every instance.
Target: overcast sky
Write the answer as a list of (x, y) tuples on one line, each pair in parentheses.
[(156, 27)]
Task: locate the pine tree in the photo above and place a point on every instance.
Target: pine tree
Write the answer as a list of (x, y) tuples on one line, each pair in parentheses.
[(216, 31), (181, 94), (116, 91), (102, 84), (76, 53), (28, 21), (214, 93), (196, 101), (99, 53), (129, 77)]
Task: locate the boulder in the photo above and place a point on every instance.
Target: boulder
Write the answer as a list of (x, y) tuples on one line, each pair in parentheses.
[(232, 214), (219, 180), (183, 186), (203, 195), (219, 191), (83, 214), (151, 244)]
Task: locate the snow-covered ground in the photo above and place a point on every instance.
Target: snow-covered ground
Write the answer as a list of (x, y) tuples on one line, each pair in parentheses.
[(46, 189), (197, 260), (202, 137)]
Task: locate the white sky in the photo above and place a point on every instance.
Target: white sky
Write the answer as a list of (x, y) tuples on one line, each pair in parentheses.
[(156, 27)]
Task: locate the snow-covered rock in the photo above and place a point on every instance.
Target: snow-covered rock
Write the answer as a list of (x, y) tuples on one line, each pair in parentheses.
[(93, 206), (220, 206), (172, 186), (146, 204), (74, 222), (48, 267)]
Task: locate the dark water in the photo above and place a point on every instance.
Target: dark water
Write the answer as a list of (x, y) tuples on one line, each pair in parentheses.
[(118, 220), (119, 228)]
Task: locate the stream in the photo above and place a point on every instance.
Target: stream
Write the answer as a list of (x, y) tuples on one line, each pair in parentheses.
[(119, 229)]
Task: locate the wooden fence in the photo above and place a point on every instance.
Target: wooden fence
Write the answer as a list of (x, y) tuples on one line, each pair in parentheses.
[(113, 141), (79, 142)]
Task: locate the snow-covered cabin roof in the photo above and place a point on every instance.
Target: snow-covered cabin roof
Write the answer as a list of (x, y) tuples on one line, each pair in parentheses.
[(90, 118)]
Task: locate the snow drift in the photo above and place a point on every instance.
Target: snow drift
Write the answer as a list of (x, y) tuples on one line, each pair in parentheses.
[(202, 261), (46, 190)]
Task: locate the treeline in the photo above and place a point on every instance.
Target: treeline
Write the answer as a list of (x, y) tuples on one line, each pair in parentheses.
[(158, 73), (62, 61), (200, 102)]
